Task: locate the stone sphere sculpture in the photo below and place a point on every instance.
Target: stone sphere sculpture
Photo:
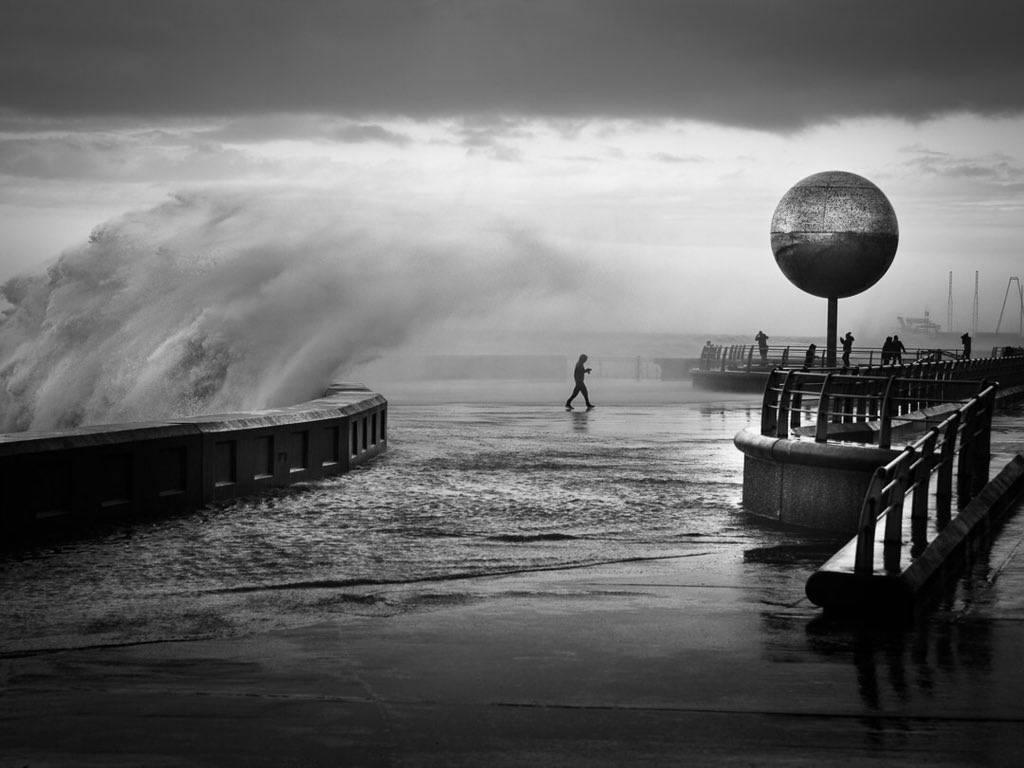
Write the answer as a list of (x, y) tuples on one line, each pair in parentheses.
[(834, 234)]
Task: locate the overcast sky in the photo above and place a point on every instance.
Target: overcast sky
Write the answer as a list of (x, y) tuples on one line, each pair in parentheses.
[(649, 141)]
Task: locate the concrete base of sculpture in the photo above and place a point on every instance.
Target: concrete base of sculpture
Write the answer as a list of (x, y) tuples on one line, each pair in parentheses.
[(807, 484)]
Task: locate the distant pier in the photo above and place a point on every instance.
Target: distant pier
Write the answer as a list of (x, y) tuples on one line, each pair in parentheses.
[(746, 367)]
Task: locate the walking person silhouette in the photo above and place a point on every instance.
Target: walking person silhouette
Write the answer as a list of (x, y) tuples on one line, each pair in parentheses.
[(581, 388)]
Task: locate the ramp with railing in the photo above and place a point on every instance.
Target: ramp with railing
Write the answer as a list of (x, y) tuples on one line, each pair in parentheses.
[(824, 457), (895, 557)]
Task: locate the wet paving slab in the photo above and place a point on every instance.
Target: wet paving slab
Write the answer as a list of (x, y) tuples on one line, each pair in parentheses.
[(711, 658)]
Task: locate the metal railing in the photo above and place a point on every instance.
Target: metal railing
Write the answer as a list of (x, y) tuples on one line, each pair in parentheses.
[(911, 473), (751, 357), (793, 399)]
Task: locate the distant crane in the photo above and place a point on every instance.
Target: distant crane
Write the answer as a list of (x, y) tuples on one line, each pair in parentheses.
[(974, 309), (949, 304), (1020, 295)]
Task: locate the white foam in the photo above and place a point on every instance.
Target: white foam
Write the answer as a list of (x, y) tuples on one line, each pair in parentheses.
[(222, 301)]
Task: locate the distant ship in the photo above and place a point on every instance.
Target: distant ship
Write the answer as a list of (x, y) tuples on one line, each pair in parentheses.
[(922, 333), (920, 326)]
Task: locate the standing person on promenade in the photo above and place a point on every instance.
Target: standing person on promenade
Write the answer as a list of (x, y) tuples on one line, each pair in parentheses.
[(847, 342), (762, 346), (580, 389), (897, 350), (887, 350), (966, 341), (812, 352)]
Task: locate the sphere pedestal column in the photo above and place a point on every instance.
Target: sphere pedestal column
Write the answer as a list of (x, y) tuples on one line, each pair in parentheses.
[(832, 332)]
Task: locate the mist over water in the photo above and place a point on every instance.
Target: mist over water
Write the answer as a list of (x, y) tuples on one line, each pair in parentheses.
[(219, 301)]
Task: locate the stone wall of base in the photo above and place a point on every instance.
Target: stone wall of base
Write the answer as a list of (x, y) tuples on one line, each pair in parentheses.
[(810, 497), (149, 469), (807, 484)]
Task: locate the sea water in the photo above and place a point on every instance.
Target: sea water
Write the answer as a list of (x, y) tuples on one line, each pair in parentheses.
[(464, 492)]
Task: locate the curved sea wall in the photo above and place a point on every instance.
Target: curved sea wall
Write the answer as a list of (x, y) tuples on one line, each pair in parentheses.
[(145, 469)]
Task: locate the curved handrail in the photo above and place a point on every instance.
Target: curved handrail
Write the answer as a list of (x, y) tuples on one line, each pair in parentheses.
[(911, 472), (832, 398)]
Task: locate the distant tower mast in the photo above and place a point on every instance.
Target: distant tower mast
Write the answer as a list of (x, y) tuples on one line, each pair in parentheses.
[(949, 304), (1020, 294), (974, 310)]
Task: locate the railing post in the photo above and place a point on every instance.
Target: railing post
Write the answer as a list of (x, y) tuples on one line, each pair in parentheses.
[(821, 429), (919, 505), (782, 422), (864, 558), (983, 455), (893, 541), (965, 481), (795, 409), (770, 405), (750, 358), (975, 447), (944, 485), (885, 428)]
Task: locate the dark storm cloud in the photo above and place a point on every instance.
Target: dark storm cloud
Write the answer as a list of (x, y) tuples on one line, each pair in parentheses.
[(997, 169), (359, 133), (667, 157), (489, 133), (744, 62), (118, 158), (250, 129)]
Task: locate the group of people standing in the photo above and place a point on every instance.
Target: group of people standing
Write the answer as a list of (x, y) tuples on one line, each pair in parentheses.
[(892, 351)]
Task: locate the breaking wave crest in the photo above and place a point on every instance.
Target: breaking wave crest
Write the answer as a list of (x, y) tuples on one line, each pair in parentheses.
[(217, 302)]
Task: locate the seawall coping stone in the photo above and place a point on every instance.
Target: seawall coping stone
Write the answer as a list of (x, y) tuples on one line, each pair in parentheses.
[(862, 458), (341, 400)]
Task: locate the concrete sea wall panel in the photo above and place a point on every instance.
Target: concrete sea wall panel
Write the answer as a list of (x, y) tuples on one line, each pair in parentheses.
[(83, 475)]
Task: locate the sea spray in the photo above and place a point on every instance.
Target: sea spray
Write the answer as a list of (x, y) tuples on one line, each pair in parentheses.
[(219, 301)]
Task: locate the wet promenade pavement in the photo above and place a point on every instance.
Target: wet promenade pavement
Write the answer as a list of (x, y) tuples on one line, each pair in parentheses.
[(714, 658)]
